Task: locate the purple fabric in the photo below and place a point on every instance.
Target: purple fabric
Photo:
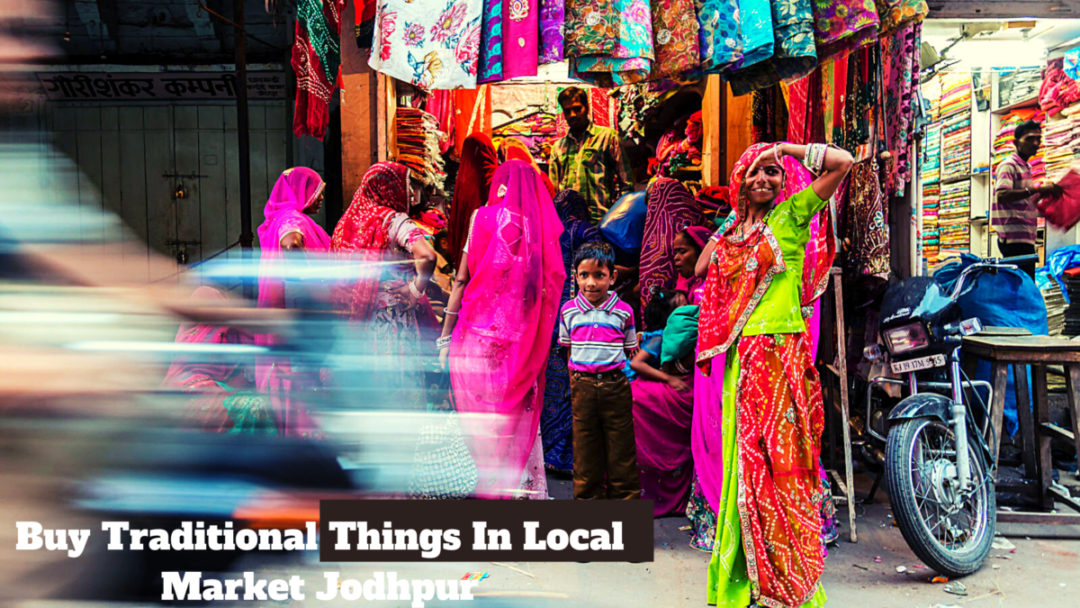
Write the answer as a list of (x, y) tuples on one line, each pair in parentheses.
[(662, 418), (552, 17), (521, 38)]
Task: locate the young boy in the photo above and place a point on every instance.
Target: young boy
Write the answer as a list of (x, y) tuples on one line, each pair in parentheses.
[(598, 328)]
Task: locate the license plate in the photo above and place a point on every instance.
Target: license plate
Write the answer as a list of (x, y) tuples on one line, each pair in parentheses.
[(914, 365)]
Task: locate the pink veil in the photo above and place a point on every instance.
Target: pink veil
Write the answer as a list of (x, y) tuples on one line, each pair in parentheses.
[(705, 431), (294, 191), (502, 338)]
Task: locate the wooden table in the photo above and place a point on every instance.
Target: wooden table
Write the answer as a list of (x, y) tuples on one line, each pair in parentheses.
[(1036, 352)]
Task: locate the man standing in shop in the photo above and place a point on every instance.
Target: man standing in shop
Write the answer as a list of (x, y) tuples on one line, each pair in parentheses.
[(589, 159), (1015, 214)]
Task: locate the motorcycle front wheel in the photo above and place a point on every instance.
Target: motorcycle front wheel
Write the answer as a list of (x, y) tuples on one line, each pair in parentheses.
[(949, 534)]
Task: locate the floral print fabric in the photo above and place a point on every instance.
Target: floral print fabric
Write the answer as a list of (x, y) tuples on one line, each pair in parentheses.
[(429, 49), (718, 34), (895, 14), (552, 15), (756, 31), (675, 38), (521, 36), (839, 23), (794, 53), (611, 44)]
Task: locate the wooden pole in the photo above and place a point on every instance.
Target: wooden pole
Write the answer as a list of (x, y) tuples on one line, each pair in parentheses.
[(247, 238)]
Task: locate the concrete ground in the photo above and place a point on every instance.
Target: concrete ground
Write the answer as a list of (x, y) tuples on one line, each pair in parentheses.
[(1042, 571)]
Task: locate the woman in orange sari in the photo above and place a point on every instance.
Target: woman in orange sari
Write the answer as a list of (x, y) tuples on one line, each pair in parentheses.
[(768, 549)]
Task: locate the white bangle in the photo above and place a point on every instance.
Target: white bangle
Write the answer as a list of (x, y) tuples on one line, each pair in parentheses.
[(415, 292)]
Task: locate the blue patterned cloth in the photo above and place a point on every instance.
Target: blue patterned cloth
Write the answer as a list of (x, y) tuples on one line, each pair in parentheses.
[(794, 53), (755, 32), (557, 419), (721, 44)]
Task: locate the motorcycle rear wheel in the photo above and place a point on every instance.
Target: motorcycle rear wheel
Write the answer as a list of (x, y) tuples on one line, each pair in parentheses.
[(919, 466)]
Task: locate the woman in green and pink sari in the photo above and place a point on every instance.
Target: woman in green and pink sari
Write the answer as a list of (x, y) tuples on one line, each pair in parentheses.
[(768, 548)]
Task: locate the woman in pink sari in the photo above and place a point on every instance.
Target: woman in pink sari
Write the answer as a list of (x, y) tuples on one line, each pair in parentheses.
[(297, 195), (498, 330)]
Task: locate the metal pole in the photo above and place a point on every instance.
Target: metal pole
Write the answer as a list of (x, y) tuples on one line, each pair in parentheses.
[(247, 238)]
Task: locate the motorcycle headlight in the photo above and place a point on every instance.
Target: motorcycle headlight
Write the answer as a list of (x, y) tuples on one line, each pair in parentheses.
[(906, 338)]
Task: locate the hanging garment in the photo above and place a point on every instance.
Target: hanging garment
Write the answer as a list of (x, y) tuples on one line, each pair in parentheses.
[(719, 41), (675, 37), (612, 41), (429, 49), (322, 21), (895, 14), (471, 114), (794, 54), (755, 32), (521, 36), (552, 17), (312, 113), (491, 45), (841, 26), (901, 52), (365, 22), (867, 224)]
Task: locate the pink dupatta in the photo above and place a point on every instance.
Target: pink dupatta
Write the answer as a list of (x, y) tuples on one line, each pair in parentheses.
[(502, 338), (705, 435)]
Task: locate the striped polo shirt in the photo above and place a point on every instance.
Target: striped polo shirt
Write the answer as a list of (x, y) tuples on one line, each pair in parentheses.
[(598, 336), (1015, 222)]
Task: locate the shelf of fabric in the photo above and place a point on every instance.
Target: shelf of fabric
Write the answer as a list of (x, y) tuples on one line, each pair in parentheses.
[(1027, 103)]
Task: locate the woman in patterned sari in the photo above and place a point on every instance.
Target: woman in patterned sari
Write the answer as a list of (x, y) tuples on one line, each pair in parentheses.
[(390, 304), (768, 548)]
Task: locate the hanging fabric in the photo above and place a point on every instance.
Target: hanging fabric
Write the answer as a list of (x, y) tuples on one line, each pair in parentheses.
[(719, 41), (675, 37), (609, 42), (491, 42), (841, 26), (428, 49), (867, 223), (472, 114), (322, 20), (365, 22), (895, 14), (756, 33), (794, 54), (521, 36), (552, 17), (312, 113), (901, 53)]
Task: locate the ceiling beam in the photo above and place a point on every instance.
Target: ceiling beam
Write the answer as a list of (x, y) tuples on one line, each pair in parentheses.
[(1004, 9)]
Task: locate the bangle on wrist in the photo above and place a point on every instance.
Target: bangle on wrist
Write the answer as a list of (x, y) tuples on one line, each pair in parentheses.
[(443, 342), (412, 288)]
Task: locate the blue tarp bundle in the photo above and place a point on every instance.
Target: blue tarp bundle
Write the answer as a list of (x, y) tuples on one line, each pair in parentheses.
[(1009, 298)]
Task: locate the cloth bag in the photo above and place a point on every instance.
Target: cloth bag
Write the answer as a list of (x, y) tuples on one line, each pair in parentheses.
[(623, 226), (1063, 211)]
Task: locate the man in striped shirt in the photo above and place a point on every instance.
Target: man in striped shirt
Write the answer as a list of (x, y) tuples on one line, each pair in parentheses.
[(598, 328), (1015, 214)]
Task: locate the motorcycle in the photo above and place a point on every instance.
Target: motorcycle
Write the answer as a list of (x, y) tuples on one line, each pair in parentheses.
[(939, 469)]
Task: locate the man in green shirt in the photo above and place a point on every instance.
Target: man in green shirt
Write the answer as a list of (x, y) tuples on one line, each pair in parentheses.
[(589, 159)]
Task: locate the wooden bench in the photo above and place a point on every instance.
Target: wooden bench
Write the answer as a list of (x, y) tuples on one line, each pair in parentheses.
[(1036, 352)]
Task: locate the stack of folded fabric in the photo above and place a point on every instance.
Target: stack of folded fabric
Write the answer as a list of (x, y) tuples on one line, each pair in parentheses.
[(1055, 308), (1061, 142), (1005, 142), (955, 95), (954, 218), (1071, 278), (930, 233), (418, 146), (1024, 86), (931, 147), (956, 148)]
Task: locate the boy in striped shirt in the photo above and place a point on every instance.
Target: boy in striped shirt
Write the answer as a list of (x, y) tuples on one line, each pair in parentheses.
[(598, 328)]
